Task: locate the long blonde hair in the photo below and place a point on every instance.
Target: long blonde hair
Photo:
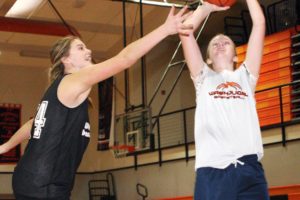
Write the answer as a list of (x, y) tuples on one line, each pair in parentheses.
[(59, 49)]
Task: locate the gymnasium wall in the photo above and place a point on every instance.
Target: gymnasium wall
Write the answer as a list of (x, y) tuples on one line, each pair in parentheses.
[(20, 86), (25, 86), (281, 165)]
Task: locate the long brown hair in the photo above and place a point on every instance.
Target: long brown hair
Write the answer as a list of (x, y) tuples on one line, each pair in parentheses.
[(59, 49)]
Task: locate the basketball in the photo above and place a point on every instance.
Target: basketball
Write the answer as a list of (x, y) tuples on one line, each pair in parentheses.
[(222, 2)]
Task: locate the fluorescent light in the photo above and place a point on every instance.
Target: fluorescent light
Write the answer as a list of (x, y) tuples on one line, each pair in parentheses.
[(24, 8)]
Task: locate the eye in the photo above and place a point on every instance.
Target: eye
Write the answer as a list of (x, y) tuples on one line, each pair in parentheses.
[(227, 43), (215, 45)]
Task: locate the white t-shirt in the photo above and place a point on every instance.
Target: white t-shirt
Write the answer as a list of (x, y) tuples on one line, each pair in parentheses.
[(226, 121)]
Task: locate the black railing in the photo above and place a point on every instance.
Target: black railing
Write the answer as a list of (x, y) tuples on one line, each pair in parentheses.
[(185, 137)]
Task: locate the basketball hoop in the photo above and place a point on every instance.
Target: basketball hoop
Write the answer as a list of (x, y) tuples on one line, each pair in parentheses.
[(121, 151)]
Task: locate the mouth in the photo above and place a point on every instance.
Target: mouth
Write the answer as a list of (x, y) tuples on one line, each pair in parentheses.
[(221, 49), (88, 58)]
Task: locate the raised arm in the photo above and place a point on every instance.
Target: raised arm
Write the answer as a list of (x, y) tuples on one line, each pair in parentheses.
[(75, 87), (190, 46), (256, 40), (22, 134)]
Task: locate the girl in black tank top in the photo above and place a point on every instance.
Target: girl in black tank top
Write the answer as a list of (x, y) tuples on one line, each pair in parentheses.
[(60, 131)]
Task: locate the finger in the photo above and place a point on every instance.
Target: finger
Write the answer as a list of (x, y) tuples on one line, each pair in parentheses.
[(187, 27), (225, 8), (187, 15), (182, 11), (172, 11), (185, 32), (221, 8)]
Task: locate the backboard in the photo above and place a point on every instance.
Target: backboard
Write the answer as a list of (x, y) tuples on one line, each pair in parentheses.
[(134, 129)]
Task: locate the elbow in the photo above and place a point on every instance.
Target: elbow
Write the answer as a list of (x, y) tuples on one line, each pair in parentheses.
[(260, 24), (260, 21), (126, 59)]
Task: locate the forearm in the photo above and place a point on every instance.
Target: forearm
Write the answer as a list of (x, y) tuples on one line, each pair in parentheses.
[(192, 54), (256, 39), (142, 46), (190, 46), (256, 13), (22, 134), (123, 60), (199, 15)]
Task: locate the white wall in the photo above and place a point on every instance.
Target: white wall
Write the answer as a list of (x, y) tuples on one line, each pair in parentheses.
[(22, 86), (281, 165)]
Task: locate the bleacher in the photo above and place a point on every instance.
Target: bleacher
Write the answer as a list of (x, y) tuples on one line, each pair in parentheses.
[(277, 92), (276, 70)]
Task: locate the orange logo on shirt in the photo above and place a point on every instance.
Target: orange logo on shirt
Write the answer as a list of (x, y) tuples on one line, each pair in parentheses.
[(228, 85), (228, 90)]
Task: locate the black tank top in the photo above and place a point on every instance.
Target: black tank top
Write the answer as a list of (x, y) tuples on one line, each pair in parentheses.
[(59, 137)]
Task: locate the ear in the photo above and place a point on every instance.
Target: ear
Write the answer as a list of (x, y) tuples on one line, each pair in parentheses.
[(208, 61), (64, 60), (235, 59)]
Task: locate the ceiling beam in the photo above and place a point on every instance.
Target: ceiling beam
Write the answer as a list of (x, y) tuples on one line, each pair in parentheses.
[(5, 5), (35, 27), (40, 51)]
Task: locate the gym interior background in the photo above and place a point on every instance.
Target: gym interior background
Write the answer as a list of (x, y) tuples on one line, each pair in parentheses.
[(168, 170)]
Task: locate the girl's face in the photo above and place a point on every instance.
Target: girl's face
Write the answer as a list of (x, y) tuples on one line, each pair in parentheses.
[(79, 56), (221, 47)]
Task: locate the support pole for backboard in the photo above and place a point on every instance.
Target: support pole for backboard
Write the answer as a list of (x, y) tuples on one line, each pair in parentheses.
[(183, 64), (143, 63), (126, 75)]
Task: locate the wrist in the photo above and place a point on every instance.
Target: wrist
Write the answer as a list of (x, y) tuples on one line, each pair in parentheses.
[(207, 8), (163, 29)]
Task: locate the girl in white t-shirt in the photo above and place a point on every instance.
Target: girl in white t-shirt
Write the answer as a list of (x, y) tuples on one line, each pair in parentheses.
[(227, 131)]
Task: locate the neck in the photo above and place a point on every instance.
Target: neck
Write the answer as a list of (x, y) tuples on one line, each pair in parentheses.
[(69, 69), (219, 66)]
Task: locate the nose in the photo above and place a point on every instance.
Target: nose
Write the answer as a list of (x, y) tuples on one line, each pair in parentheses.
[(89, 51), (221, 44)]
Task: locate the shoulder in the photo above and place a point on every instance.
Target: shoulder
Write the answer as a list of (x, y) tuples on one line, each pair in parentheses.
[(205, 71), (244, 68)]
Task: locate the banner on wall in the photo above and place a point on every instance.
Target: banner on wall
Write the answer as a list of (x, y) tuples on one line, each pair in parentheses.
[(105, 93), (10, 121)]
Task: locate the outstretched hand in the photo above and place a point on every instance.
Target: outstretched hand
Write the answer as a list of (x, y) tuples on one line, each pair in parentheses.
[(174, 22)]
